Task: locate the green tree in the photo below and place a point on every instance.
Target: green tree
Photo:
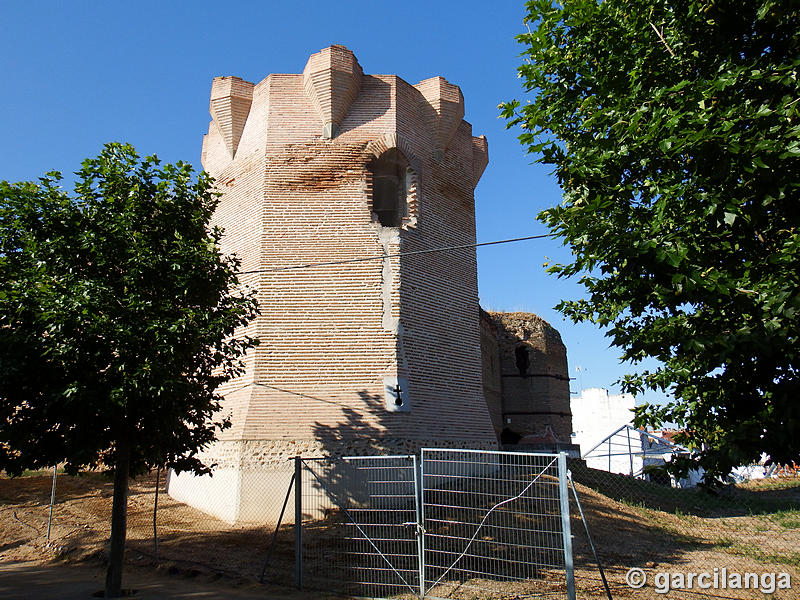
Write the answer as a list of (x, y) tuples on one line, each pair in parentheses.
[(117, 322), (674, 131)]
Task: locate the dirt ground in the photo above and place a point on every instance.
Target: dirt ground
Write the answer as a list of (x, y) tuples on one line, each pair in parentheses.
[(56, 580), (197, 553), (71, 565)]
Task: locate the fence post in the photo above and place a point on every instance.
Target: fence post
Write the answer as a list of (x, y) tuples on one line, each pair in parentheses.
[(155, 513), (418, 491), (630, 450), (566, 533), (52, 502), (298, 522)]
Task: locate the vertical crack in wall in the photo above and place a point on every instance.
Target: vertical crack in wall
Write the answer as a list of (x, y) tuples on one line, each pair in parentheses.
[(389, 238)]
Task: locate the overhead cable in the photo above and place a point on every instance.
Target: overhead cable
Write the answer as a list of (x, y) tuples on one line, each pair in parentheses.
[(399, 254)]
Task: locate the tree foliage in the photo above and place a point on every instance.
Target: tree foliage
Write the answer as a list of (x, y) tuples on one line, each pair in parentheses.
[(116, 317), (674, 131), (117, 322)]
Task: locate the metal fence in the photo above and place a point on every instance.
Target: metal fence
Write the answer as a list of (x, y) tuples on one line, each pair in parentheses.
[(495, 522), (455, 524), (486, 533), (358, 533)]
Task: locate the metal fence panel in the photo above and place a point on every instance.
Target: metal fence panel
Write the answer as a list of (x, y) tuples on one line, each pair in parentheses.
[(493, 523), (360, 525)]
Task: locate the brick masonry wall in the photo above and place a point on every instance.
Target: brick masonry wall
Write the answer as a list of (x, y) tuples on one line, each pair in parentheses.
[(293, 195), (492, 380)]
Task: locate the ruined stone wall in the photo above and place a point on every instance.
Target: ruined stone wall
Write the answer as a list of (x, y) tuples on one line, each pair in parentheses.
[(291, 155), (534, 380)]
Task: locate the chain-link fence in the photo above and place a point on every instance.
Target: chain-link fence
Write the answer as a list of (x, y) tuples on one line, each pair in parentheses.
[(736, 541), (159, 527)]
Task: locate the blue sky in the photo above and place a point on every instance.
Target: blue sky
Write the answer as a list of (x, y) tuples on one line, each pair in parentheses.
[(79, 74)]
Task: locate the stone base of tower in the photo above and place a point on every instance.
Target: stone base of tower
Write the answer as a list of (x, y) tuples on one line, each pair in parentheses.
[(236, 496), (250, 481)]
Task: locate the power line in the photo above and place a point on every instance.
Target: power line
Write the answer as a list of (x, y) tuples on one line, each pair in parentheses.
[(285, 391), (399, 254)]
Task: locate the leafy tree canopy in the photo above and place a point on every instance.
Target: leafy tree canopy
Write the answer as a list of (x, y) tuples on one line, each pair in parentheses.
[(116, 317), (117, 322), (674, 131)]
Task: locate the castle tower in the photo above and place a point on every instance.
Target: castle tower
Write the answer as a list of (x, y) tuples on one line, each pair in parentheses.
[(319, 171)]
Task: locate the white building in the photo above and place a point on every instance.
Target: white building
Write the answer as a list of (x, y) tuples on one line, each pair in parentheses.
[(596, 414), (603, 429)]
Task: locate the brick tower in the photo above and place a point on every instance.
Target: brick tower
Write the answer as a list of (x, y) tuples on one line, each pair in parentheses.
[(368, 356)]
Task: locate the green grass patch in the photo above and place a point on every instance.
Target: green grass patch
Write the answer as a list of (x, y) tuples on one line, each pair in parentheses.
[(737, 548), (33, 473), (788, 519), (767, 498)]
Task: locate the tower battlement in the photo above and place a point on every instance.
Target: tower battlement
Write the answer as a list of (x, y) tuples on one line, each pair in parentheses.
[(330, 103)]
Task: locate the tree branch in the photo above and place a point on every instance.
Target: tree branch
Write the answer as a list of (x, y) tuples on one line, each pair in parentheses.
[(661, 37)]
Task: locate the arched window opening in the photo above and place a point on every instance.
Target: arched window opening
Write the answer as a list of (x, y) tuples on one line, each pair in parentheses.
[(390, 188)]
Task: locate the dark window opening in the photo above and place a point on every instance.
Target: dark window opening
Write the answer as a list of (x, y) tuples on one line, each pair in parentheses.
[(509, 437), (523, 361), (389, 188)]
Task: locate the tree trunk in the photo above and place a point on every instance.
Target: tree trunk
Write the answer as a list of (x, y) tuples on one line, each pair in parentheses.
[(119, 514)]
